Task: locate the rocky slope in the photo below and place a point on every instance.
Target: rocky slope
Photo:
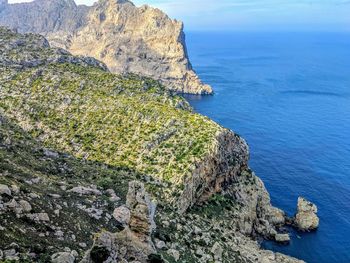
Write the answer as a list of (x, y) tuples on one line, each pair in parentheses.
[(126, 38), (105, 168)]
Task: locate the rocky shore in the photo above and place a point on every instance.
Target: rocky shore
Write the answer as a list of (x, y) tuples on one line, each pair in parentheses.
[(74, 189)]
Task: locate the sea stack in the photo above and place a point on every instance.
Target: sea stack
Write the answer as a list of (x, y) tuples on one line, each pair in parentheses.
[(306, 218)]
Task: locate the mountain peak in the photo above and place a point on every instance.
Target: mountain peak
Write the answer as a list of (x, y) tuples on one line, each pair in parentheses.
[(129, 39), (115, 2)]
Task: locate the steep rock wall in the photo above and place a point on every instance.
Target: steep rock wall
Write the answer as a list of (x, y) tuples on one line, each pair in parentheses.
[(128, 39), (229, 156)]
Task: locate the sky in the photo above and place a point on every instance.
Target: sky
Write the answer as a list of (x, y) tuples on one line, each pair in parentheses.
[(223, 15)]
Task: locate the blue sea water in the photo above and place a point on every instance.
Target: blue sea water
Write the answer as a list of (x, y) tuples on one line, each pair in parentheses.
[(288, 95)]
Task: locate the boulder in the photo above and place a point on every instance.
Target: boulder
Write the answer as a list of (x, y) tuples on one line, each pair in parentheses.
[(160, 244), (25, 206), (122, 215), (306, 218), (4, 189), (282, 238)]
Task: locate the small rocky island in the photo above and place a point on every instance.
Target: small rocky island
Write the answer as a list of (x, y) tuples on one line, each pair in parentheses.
[(104, 167), (306, 218)]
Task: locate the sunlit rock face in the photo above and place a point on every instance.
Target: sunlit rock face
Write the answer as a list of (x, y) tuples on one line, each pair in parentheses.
[(141, 40)]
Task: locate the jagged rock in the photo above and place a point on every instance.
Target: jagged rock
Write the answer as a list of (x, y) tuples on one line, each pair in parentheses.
[(134, 241), (257, 215), (140, 40), (306, 218), (282, 238), (119, 247), (141, 210), (4, 189)]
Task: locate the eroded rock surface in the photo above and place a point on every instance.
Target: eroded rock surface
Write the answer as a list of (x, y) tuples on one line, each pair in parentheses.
[(134, 241), (142, 211), (129, 39)]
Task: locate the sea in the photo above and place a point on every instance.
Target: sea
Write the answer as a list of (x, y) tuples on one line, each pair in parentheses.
[(288, 95)]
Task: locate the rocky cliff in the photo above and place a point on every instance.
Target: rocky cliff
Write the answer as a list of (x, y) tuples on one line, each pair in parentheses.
[(128, 39), (106, 168)]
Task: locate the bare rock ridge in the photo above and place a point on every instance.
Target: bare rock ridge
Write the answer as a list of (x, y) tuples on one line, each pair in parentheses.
[(43, 16), (128, 39)]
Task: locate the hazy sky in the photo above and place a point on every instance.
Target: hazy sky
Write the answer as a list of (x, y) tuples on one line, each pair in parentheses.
[(254, 14)]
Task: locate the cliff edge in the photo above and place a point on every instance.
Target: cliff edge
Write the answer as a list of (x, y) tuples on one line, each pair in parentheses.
[(128, 39)]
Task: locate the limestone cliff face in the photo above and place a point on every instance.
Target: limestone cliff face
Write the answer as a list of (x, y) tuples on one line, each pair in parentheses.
[(140, 40), (228, 157), (43, 16), (225, 170)]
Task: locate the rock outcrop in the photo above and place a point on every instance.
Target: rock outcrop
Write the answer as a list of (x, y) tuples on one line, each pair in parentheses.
[(306, 218), (43, 16), (134, 241), (128, 39), (257, 216), (142, 211), (220, 168)]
